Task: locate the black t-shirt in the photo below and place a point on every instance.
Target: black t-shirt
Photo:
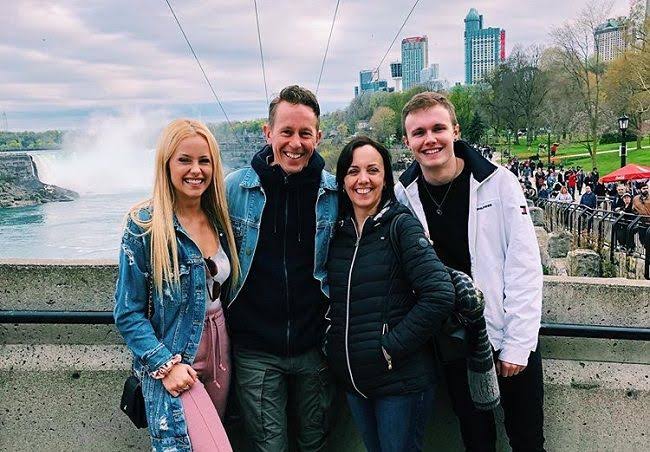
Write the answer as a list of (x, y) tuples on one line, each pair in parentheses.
[(448, 231)]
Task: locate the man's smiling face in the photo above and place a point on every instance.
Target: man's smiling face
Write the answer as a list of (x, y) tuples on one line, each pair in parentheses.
[(430, 135), (293, 136)]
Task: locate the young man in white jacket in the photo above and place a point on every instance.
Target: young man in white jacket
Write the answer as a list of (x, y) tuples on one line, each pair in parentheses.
[(477, 219)]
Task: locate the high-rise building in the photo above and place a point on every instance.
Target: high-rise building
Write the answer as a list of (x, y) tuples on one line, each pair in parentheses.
[(485, 48), (429, 73), (368, 83), (396, 74), (415, 57), (430, 78), (610, 39)]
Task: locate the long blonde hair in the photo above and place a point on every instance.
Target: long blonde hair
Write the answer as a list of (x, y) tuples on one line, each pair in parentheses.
[(160, 226)]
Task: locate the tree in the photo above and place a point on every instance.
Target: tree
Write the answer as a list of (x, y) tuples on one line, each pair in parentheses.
[(627, 85), (561, 104), (578, 58), (462, 97), (528, 86), (382, 124), (476, 129)]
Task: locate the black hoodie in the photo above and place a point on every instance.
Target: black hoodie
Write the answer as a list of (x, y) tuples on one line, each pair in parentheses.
[(280, 308)]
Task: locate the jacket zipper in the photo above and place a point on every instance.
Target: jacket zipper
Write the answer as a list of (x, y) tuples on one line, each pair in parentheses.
[(387, 357), (286, 275), (347, 309)]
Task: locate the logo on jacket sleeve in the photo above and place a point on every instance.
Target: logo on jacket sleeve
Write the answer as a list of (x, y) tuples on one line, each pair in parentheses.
[(524, 210)]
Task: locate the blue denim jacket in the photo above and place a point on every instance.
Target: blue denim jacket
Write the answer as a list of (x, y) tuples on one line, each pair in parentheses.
[(174, 328), (246, 200)]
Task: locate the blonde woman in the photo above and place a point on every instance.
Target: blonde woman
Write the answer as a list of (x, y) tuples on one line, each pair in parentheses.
[(177, 254)]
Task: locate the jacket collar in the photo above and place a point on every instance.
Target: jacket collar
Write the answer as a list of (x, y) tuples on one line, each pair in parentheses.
[(480, 167), (251, 179)]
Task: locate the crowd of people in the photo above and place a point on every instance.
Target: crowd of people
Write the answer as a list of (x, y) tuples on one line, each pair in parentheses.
[(574, 184), (281, 282)]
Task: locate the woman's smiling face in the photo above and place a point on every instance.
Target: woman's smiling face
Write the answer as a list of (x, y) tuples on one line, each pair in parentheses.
[(364, 181), (190, 168)]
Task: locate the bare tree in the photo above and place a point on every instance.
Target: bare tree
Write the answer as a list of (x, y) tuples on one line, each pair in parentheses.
[(577, 56), (515, 90)]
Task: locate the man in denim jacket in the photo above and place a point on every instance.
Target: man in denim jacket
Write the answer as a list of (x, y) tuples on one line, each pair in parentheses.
[(283, 208)]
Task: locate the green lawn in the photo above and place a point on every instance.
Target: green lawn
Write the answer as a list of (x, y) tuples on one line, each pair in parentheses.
[(565, 149), (609, 162)]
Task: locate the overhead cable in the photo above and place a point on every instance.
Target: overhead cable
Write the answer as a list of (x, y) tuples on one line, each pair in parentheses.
[(397, 35), (259, 39), (322, 66), (232, 129)]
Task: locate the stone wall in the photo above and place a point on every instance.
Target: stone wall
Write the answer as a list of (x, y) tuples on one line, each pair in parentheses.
[(60, 384)]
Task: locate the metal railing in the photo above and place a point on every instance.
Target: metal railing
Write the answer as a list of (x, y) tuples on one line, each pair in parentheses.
[(600, 229), (106, 318)]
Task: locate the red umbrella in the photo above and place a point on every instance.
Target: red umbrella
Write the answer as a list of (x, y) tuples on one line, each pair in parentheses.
[(628, 172)]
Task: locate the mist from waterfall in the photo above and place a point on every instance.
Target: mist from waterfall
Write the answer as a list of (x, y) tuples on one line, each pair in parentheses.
[(107, 155)]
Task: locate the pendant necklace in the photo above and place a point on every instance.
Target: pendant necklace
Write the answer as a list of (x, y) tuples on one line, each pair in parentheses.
[(444, 198)]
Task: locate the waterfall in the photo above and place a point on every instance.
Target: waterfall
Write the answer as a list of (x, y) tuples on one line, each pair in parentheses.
[(109, 155)]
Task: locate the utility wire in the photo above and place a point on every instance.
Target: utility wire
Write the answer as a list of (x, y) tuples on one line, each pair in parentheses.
[(259, 39), (396, 35), (322, 66), (232, 129)]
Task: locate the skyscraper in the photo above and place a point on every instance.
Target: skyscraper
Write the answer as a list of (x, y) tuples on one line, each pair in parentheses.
[(610, 39), (396, 74), (368, 83), (485, 48), (415, 57)]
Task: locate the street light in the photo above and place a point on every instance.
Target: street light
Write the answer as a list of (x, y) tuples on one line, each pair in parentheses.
[(548, 144), (623, 122)]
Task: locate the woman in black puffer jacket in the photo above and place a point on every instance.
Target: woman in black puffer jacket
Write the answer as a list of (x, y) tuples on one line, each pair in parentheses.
[(384, 309)]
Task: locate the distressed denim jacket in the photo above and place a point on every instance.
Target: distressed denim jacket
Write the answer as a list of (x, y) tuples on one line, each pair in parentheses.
[(174, 328), (246, 200)]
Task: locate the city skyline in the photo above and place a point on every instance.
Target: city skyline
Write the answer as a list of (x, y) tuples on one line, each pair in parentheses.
[(63, 64)]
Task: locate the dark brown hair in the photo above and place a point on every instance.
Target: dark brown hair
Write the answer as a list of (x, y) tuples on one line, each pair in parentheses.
[(296, 95), (344, 163)]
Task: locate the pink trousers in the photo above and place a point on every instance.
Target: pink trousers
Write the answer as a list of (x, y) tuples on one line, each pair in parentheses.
[(205, 402)]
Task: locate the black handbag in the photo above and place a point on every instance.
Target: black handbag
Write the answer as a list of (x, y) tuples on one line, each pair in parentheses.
[(132, 402), (450, 342)]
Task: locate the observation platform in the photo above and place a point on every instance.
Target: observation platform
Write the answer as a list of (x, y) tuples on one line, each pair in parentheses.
[(60, 383)]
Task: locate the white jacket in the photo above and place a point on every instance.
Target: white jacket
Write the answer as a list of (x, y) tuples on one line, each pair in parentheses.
[(503, 249)]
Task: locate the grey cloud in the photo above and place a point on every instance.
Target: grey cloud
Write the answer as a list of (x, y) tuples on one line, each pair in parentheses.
[(107, 54)]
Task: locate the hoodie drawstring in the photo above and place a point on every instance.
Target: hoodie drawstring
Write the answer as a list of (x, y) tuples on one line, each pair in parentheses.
[(212, 329)]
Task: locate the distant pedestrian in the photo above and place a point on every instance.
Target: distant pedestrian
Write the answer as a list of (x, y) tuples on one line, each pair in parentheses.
[(641, 202), (564, 195), (589, 198)]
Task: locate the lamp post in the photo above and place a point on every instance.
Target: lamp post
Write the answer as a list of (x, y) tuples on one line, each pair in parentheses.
[(548, 145), (623, 122)]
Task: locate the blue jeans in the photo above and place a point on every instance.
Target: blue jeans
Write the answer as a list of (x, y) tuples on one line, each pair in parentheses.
[(392, 423)]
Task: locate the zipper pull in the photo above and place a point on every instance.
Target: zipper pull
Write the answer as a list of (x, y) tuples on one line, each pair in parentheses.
[(387, 357)]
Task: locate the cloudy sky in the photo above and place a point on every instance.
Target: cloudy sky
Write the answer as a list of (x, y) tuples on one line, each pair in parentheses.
[(63, 62)]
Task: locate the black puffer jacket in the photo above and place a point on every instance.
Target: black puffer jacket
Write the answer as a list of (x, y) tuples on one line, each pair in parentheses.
[(421, 298)]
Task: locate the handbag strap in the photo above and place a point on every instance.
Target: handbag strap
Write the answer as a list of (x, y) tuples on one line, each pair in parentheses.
[(394, 242)]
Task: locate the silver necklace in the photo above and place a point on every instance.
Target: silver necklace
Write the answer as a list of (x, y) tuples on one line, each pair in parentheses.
[(444, 198)]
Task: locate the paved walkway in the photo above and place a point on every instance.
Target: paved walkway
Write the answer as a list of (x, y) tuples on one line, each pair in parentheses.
[(609, 151)]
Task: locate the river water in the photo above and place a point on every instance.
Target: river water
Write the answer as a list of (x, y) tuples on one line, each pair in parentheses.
[(109, 180), (88, 228)]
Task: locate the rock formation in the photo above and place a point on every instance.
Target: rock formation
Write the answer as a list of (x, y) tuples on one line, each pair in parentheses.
[(20, 185)]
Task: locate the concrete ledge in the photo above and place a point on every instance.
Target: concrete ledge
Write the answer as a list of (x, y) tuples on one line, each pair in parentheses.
[(60, 384), (597, 301)]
